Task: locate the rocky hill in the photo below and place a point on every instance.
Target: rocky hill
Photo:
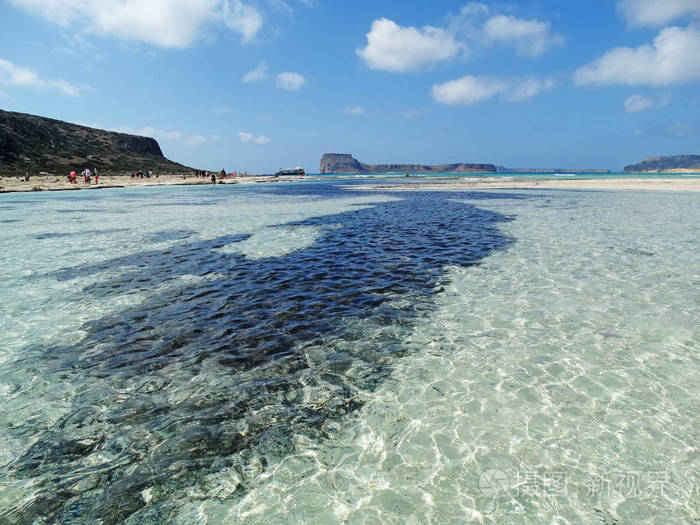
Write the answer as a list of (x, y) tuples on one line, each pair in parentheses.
[(32, 144), (683, 163), (339, 163)]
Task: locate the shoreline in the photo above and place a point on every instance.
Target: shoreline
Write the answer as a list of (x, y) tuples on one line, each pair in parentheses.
[(53, 183), (544, 184)]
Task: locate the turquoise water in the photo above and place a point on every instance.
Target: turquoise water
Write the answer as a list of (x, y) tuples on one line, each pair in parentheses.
[(516, 176), (305, 353)]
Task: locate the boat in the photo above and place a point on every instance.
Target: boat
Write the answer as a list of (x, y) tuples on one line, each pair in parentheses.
[(291, 171)]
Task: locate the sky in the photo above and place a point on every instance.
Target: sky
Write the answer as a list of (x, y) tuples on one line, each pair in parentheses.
[(258, 85)]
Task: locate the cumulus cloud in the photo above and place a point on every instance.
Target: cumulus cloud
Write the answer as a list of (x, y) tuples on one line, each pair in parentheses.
[(168, 135), (355, 111), (242, 18), (470, 90), (391, 47), (14, 75), (638, 103), (529, 88), (530, 37), (290, 81), (657, 12), (163, 23), (257, 74), (673, 58), (250, 138)]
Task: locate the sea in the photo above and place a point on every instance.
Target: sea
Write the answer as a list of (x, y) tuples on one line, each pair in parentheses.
[(319, 352)]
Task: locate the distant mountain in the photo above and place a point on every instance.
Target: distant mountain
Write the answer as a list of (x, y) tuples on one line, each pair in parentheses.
[(673, 163), (32, 144), (340, 163)]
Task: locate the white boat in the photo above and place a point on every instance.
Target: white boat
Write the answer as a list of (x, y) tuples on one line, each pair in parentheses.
[(292, 171)]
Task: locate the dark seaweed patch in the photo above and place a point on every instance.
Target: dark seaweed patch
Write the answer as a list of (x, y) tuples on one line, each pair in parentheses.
[(294, 343)]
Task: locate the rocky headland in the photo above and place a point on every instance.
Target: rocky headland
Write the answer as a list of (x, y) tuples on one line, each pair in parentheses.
[(671, 164), (36, 145), (343, 163)]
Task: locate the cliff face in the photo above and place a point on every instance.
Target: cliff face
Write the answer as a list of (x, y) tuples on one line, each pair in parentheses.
[(344, 163), (666, 164), (33, 144)]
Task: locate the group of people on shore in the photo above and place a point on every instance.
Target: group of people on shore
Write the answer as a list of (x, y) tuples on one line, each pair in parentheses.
[(87, 176), (221, 175), (140, 174)]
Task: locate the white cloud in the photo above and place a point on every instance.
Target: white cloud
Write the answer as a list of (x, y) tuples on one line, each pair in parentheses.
[(242, 18), (673, 58), (355, 111), (248, 138), (682, 129), (470, 90), (13, 75), (391, 47), (638, 103), (164, 134), (290, 81), (530, 37), (657, 12), (411, 113), (257, 74), (163, 23), (529, 88)]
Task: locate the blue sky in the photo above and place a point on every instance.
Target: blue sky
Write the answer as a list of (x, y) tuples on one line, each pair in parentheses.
[(261, 84)]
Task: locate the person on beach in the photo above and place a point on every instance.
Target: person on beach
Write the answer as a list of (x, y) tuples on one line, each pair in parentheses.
[(97, 177), (86, 176)]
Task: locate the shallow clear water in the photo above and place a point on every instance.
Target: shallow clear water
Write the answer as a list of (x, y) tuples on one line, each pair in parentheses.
[(303, 353)]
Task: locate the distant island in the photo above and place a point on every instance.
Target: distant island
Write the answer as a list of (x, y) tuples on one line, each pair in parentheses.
[(344, 163), (32, 144), (671, 164)]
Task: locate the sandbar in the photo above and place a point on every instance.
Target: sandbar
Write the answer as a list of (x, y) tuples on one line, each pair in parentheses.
[(675, 184)]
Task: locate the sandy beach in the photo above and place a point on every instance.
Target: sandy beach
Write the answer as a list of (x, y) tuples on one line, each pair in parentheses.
[(54, 183), (582, 184)]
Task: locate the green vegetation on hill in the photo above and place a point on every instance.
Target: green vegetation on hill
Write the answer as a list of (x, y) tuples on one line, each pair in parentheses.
[(32, 144)]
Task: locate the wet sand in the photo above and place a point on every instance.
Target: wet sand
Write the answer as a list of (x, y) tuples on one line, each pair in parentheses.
[(582, 184), (54, 183)]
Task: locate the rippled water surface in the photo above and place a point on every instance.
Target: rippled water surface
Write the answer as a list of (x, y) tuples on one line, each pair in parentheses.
[(308, 353)]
